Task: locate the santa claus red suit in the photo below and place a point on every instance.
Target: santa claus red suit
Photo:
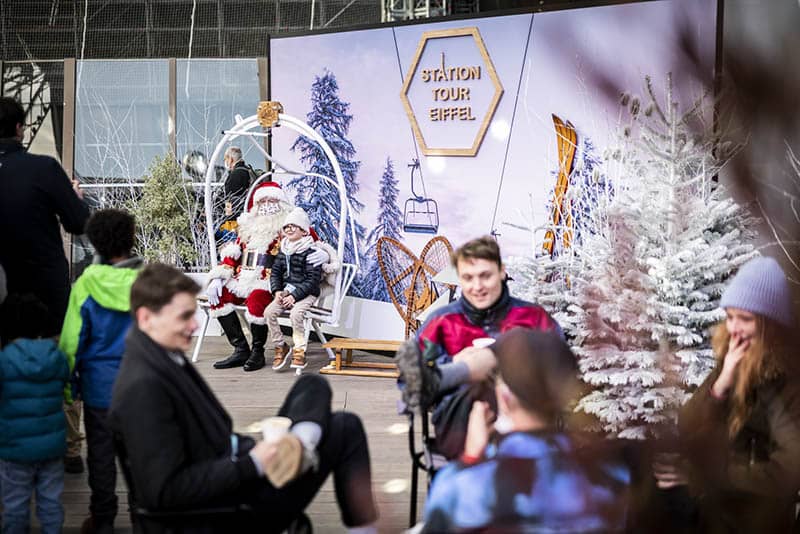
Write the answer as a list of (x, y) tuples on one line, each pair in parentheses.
[(242, 276)]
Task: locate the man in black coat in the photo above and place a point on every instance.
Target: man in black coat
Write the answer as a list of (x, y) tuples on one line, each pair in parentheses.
[(238, 181), (181, 448), (35, 195)]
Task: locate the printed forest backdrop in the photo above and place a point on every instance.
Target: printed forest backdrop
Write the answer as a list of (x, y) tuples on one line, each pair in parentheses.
[(347, 85)]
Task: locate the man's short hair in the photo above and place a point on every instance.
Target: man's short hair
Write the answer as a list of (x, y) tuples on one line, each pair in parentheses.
[(482, 248), (112, 233), (11, 114), (234, 152), (156, 286)]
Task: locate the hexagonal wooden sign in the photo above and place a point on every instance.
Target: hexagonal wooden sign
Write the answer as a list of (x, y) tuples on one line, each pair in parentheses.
[(452, 90)]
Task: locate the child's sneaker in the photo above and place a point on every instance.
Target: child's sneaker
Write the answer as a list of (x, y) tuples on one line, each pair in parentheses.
[(281, 356), (299, 359)]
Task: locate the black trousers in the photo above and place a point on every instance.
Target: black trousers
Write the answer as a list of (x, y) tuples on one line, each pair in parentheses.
[(343, 452), (102, 465)]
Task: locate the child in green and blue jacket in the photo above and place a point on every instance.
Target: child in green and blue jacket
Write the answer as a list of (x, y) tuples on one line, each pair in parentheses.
[(97, 321)]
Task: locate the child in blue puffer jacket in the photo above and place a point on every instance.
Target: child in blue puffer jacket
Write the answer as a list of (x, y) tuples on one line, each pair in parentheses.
[(33, 374)]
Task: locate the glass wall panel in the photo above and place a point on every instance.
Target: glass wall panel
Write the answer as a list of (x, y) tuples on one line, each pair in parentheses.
[(121, 118), (210, 93)]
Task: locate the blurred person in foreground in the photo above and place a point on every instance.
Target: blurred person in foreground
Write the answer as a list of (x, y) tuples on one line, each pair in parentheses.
[(535, 477), (741, 428), (179, 439)]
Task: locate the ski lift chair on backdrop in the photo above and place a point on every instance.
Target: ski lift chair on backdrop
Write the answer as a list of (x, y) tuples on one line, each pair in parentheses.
[(327, 310), (420, 214)]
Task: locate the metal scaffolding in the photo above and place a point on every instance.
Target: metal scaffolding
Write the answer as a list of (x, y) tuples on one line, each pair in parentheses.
[(108, 29)]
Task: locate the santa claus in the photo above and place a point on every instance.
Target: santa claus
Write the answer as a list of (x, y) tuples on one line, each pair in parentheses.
[(242, 277)]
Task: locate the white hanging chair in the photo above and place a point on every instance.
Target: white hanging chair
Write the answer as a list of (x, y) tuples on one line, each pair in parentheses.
[(327, 310)]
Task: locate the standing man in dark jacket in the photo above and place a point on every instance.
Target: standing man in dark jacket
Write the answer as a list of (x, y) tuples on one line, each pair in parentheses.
[(238, 181), (180, 443), (35, 195), (234, 191)]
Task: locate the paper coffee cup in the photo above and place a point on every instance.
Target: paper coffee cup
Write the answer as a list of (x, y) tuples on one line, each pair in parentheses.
[(273, 428), (482, 342)]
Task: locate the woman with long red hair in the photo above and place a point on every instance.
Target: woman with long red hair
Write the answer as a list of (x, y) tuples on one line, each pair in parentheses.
[(741, 428)]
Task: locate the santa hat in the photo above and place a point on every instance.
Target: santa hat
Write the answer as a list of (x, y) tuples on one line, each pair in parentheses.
[(266, 190), (299, 218)]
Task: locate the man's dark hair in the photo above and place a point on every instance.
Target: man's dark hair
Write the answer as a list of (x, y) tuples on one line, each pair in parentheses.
[(11, 114), (112, 233), (157, 284), (482, 248)]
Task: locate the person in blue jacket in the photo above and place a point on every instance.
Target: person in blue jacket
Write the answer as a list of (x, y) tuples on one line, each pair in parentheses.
[(535, 477), (33, 374), (93, 336)]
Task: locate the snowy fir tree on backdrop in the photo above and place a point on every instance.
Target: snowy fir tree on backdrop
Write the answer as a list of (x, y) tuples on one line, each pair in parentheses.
[(390, 221), (588, 187), (330, 118), (670, 241), (549, 279)]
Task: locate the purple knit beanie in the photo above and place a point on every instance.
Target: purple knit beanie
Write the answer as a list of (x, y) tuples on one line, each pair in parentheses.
[(760, 287)]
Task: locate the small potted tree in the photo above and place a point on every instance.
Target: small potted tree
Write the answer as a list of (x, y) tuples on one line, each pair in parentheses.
[(163, 215)]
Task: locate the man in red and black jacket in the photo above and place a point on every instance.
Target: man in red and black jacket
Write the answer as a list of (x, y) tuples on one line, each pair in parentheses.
[(453, 341)]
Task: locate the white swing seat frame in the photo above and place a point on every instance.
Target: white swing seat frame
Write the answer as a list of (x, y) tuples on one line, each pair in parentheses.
[(320, 314)]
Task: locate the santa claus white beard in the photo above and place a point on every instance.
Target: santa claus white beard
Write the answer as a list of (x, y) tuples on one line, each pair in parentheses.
[(261, 230)]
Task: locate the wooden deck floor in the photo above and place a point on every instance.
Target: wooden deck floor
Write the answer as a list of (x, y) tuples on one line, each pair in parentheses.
[(249, 397)]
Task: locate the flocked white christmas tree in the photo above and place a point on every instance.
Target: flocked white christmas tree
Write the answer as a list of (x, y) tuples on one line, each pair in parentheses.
[(672, 238)]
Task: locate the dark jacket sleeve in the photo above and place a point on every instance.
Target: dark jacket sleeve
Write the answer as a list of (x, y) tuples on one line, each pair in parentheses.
[(703, 425), (309, 285), (780, 473), (238, 181), (165, 476), (72, 211), (85, 334), (704, 433), (277, 273)]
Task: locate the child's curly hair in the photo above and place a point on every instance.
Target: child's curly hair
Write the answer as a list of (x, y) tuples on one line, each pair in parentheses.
[(112, 233)]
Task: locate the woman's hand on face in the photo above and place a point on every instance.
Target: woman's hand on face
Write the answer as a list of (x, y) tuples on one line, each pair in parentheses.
[(737, 348)]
